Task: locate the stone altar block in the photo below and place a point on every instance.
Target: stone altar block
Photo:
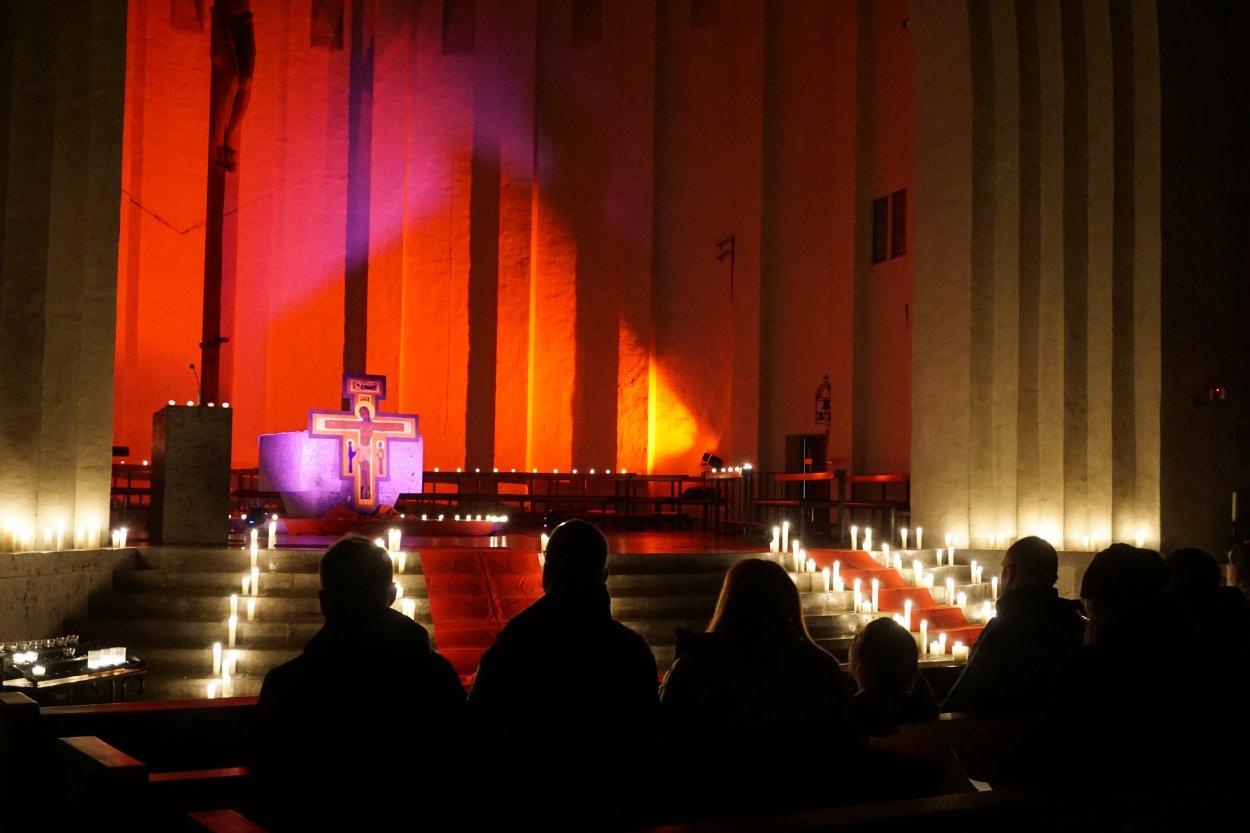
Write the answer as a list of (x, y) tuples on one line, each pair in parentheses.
[(361, 457), (190, 475)]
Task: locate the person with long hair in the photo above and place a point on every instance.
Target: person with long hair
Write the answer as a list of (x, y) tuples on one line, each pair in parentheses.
[(754, 707)]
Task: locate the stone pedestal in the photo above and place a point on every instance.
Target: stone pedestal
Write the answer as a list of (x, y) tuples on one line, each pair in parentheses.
[(190, 475)]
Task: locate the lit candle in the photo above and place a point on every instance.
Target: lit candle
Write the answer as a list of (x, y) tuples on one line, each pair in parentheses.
[(837, 576), (986, 612), (935, 648), (402, 559), (942, 643), (216, 658), (854, 537), (775, 544), (928, 581), (924, 636), (225, 683), (975, 575), (859, 595), (399, 590), (907, 613), (885, 554), (123, 541), (827, 579), (959, 652), (60, 535), (941, 552), (950, 591), (898, 562), (252, 553), (785, 536), (994, 588), (876, 588), (917, 570), (811, 565), (542, 542), (902, 533), (950, 556), (94, 536), (234, 604), (273, 532), (409, 608), (232, 630), (251, 608), (961, 599), (393, 540), (116, 539), (255, 581), (868, 540), (798, 565), (254, 535), (247, 585), (920, 537), (231, 665)]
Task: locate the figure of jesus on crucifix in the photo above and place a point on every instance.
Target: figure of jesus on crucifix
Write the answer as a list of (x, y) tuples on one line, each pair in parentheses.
[(365, 434)]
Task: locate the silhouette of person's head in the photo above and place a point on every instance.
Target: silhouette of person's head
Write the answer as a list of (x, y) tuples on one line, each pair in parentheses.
[(884, 656), (1119, 575), (1030, 562), (1192, 572), (577, 559), (1239, 557), (356, 578), (758, 599)]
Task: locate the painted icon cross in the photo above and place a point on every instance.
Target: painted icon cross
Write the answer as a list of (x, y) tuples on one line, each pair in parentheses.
[(365, 435)]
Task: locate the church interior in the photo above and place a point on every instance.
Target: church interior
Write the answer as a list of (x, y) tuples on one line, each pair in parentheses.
[(870, 289)]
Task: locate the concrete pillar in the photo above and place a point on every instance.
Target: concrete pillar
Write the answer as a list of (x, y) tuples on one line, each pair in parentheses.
[(63, 71), (1036, 217)]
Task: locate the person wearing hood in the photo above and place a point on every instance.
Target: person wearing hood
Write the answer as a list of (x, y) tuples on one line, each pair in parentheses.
[(360, 730), (564, 700)]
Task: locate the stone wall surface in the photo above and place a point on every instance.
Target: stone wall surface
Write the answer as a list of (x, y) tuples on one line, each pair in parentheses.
[(40, 590)]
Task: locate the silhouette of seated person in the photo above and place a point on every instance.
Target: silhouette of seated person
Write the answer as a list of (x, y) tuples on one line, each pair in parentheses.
[(1134, 706), (563, 701), (358, 731), (758, 715), (1216, 621), (1034, 632), (885, 665)]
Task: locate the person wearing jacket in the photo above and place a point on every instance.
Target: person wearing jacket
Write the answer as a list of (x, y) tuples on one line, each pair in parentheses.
[(360, 731)]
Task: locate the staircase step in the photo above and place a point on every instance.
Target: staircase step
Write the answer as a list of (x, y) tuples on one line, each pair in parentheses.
[(206, 607)]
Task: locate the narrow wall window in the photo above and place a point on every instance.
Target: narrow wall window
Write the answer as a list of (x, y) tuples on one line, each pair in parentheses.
[(587, 23), (458, 27)]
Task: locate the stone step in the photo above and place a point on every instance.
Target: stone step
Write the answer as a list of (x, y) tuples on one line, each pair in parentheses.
[(663, 607), (191, 687), (645, 584), (679, 563), (183, 661), (222, 560), (194, 634), (206, 607)]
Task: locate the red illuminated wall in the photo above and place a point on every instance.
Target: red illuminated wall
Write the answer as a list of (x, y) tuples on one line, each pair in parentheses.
[(543, 214)]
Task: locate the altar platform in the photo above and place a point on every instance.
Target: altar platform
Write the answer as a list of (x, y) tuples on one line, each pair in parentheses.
[(169, 605)]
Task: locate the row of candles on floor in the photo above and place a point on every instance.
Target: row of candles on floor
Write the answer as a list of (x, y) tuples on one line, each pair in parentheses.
[(781, 534)]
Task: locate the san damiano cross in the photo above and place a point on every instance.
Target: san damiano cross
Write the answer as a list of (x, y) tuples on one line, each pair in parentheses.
[(364, 434)]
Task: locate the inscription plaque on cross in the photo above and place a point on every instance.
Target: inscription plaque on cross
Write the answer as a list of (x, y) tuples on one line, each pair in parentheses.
[(364, 435)]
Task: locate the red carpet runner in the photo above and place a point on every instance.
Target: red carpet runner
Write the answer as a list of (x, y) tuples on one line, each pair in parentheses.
[(857, 564), (473, 593)]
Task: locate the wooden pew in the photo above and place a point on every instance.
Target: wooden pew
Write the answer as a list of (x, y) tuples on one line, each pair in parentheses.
[(168, 737), (105, 777), (221, 821)]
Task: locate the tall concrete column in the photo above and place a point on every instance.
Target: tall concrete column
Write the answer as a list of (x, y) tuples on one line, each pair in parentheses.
[(63, 69)]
